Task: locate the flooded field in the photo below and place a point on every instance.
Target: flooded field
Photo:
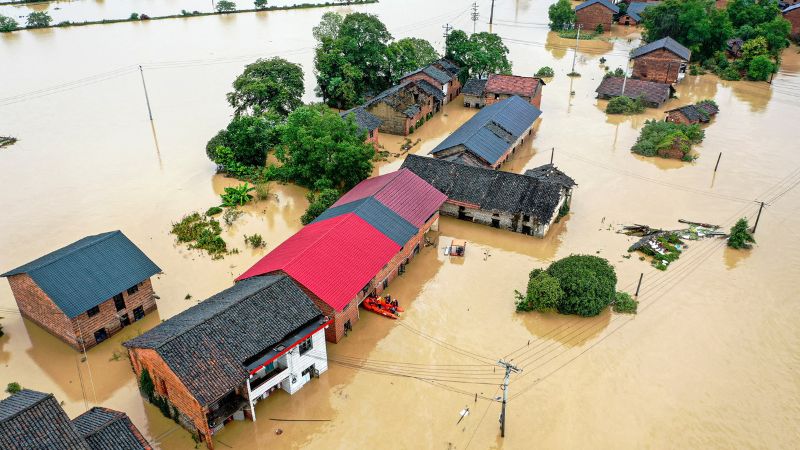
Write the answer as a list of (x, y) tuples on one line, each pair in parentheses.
[(710, 361)]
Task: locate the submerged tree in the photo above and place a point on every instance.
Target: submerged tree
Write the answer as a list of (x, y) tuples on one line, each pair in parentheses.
[(409, 54), (273, 84), (588, 282), (247, 138), (544, 293), (740, 236), (7, 24), (318, 202), (479, 55), (697, 24), (39, 19), (561, 15), (226, 6)]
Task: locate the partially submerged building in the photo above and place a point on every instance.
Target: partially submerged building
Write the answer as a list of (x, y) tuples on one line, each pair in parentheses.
[(213, 362), (473, 91), (35, 420), (527, 204), (500, 87), (652, 93), (633, 15), (591, 14), (443, 74), (404, 107), (367, 123), (358, 246), (490, 136), (87, 291), (662, 61), (792, 14), (692, 114)]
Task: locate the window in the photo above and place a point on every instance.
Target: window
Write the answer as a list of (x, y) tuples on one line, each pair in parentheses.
[(100, 335), (386, 283), (133, 289), (309, 371), (119, 302), (305, 346), (526, 218), (496, 96), (91, 312), (125, 320), (371, 134), (138, 312)]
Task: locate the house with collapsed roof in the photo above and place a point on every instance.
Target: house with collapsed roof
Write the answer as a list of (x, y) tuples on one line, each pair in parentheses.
[(442, 74), (693, 114), (35, 420), (86, 291), (652, 93), (661, 61), (357, 246), (497, 87), (592, 14), (215, 361), (633, 15), (527, 204), (367, 123), (406, 106), (489, 137)]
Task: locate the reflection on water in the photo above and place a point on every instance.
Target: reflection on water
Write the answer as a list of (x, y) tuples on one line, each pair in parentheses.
[(553, 327)]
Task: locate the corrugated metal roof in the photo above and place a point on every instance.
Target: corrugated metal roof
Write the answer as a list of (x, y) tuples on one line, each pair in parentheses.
[(334, 258), (90, 271), (477, 135), (635, 9), (605, 3), (378, 215), (667, 43)]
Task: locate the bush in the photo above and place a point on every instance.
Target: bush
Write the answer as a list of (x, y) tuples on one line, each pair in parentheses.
[(740, 236), (13, 387), (599, 29), (255, 241), (624, 303), (201, 233), (544, 293), (7, 24), (730, 73), (318, 203), (213, 211), (39, 19), (588, 282), (616, 73), (134, 16), (225, 6), (545, 72), (760, 68), (411, 129), (625, 105), (262, 191), (657, 135)]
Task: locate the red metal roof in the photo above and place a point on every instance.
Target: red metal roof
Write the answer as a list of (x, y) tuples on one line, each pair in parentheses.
[(512, 85), (334, 258), (408, 195)]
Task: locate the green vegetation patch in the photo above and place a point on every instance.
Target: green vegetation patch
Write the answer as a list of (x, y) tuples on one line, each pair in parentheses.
[(624, 303), (201, 233), (625, 105), (740, 236), (667, 139), (545, 72)]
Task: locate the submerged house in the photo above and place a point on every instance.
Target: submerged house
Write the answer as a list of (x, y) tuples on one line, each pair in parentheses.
[(358, 246), (490, 136), (35, 420), (693, 114), (87, 291), (792, 14), (652, 93), (662, 61), (500, 87), (213, 362), (633, 15), (366, 122), (405, 107), (442, 74), (594, 13), (473, 91), (527, 204)]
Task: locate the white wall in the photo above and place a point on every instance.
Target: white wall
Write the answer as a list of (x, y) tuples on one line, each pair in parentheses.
[(318, 356)]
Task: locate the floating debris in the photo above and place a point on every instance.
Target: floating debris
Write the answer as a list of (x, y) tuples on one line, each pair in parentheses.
[(666, 246), (7, 140)]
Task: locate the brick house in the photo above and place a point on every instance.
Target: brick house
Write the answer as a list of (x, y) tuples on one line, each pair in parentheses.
[(473, 92), (593, 13), (792, 14), (367, 123), (662, 61), (654, 94), (633, 15), (442, 74), (527, 204), (358, 246), (35, 420), (692, 114), (500, 87), (87, 291), (489, 137), (404, 107), (215, 361)]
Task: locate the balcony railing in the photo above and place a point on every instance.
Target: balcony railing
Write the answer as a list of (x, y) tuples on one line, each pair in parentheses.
[(268, 381)]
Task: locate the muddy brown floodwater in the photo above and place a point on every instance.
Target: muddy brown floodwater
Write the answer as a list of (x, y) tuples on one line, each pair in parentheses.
[(710, 361)]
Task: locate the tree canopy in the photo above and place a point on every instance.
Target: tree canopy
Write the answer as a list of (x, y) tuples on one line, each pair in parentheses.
[(273, 84), (248, 138), (697, 24), (544, 293), (408, 54), (479, 55), (740, 236), (7, 24), (225, 6), (561, 15), (588, 283), (39, 19)]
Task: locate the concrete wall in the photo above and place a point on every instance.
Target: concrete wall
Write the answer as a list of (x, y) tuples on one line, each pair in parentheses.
[(296, 363), (661, 66), (594, 15), (473, 101)]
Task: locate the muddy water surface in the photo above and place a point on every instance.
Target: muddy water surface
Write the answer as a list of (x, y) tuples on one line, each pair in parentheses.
[(710, 360)]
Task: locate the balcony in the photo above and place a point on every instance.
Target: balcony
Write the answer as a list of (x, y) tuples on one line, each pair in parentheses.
[(267, 381), (224, 408)]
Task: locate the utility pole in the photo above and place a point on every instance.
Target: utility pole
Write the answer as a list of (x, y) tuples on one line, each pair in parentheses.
[(717, 165), (447, 29), (625, 75), (491, 15), (758, 217), (146, 98), (474, 16), (577, 40), (509, 368), (552, 154), (641, 275)]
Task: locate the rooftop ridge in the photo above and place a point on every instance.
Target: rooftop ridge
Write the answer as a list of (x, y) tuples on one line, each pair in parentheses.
[(105, 236), (44, 397)]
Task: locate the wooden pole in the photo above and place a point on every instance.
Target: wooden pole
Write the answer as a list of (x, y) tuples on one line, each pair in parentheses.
[(491, 15), (716, 166), (552, 154), (146, 98), (758, 217), (638, 286)]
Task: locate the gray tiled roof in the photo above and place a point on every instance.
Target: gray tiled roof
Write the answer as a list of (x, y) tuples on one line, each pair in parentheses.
[(376, 214), (699, 112), (208, 345), (106, 429), (667, 43), (391, 96), (448, 66), (35, 420), (491, 190), (430, 89), (90, 271), (635, 9), (432, 72), (791, 8), (365, 120), (474, 86), (651, 92), (605, 3), (549, 172), (490, 132)]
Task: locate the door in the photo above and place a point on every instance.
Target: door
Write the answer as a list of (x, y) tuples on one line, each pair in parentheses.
[(100, 335), (125, 320)]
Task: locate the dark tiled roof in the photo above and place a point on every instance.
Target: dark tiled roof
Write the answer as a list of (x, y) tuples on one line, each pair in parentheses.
[(106, 429), (363, 118), (605, 3), (474, 86), (207, 345), (512, 85), (549, 172), (667, 43), (697, 113), (430, 89), (393, 96), (35, 420), (376, 214), (90, 271), (433, 72), (448, 66), (490, 132), (653, 93), (491, 190), (635, 9)]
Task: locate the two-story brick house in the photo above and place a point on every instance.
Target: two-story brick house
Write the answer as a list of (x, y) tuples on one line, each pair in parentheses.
[(661, 61), (442, 74), (404, 107), (87, 291), (592, 14)]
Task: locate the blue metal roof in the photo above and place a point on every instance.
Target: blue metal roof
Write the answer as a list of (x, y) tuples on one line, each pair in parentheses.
[(479, 135), (378, 215), (90, 271), (605, 3), (791, 8), (635, 9)]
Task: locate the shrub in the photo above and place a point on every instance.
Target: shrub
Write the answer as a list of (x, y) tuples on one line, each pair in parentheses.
[(740, 236), (201, 233), (262, 191), (658, 135), (411, 129), (599, 29), (213, 211), (730, 73), (545, 72), (624, 303), (760, 68), (588, 283), (616, 73), (7, 24), (625, 105), (237, 196), (146, 384), (13, 387), (544, 294), (318, 203), (39, 19), (225, 6), (134, 16), (255, 241)]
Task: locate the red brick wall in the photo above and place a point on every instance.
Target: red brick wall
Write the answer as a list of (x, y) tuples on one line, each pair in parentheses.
[(424, 110), (661, 66), (390, 272), (536, 100), (37, 307), (794, 17), (594, 15), (677, 117), (108, 316), (176, 392), (422, 76), (627, 20), (374, 139)]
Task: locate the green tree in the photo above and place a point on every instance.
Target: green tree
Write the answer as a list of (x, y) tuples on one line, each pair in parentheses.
[(752, 12), (328, 27), (39, 19), (260, 4), (248, 137), (760, 68), (478, 55), (457, 46), (320, 150), (7, 24), (740, 236), (351, 58), (273, 84), (624, 303), (544, 293), (589, 284), (318, 202), (225, 6), (13, 387), (561, 15), (697, 24), (776, 33), (409, 54)]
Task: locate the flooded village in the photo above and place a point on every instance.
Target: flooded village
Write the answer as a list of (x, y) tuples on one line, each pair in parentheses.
[(390, 318)]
